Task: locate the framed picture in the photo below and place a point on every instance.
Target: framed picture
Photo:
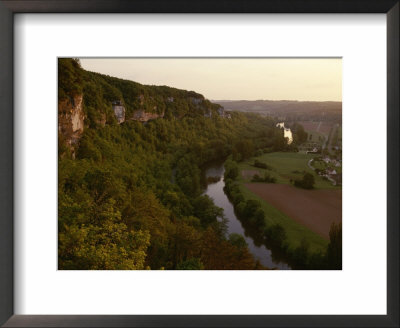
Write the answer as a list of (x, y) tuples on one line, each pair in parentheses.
[(163, 162)]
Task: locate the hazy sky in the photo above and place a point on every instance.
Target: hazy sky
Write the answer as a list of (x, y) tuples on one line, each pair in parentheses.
[(234, 78)]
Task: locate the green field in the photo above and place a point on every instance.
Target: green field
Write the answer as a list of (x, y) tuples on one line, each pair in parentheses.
[(285, 166)]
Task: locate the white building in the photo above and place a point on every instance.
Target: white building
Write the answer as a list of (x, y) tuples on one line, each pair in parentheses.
[(287, 133)]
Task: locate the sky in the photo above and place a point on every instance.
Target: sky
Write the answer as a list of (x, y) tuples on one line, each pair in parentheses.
[(310, 79)]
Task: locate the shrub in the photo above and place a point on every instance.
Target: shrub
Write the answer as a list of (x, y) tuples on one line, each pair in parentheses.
[(267, 178), (231, 170), (259, 152), (256, 178), (251, 207), (259, 219), (236, 198), (240, 208), (306, 183), (275, 234), (190, 264), (261, 165), (237, 240)]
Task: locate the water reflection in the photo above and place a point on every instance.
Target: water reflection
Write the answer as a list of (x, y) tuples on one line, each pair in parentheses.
[(215, 190)]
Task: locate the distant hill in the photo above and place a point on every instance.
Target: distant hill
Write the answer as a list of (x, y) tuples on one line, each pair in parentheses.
[(290, 109)]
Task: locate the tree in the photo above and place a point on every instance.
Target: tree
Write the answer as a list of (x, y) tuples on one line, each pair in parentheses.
[(237, 240), (300, 256), (334, 253), (70, 76), (205, 210), (251, 208), (244, 149), (186, 244), (107, 245), (275, 234), (220, 254), (190, 264), (299, 135), (231, 170), (259, 219), (307, 182)]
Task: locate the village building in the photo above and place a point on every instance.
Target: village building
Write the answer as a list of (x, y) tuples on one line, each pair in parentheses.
[(314, 150), (287, 133)]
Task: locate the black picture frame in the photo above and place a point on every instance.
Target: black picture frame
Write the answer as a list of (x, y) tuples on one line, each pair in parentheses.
[(7, 10)]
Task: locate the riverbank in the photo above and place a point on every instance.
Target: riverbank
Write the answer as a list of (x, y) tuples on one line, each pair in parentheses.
[(215, 190)]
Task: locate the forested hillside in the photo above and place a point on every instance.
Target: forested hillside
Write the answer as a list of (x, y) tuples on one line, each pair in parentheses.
[(130, 190)]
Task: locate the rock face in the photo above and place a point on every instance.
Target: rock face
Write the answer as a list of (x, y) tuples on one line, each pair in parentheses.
[(142, 116), (70, 119), (196, 101), (119, 111), (141, 99)]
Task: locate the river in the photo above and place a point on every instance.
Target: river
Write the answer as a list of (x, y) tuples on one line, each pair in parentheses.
[(216, 192)]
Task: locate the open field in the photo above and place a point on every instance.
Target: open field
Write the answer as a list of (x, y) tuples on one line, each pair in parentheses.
[(321, 127), (285, 166), (317, 137), (315, 209)]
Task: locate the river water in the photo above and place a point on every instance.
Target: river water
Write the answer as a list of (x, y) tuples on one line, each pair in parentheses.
[(216, 192)]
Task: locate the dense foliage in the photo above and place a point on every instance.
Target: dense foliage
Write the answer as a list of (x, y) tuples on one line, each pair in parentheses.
[(299, 134), (131, 197)]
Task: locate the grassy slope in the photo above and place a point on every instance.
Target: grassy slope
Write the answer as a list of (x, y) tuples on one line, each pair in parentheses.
[(283, 165)]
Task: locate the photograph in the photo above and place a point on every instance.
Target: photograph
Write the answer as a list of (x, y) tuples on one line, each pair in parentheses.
[(199, 163)]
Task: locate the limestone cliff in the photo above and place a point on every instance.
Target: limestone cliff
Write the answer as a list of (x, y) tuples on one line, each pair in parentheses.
[(142, 116), (70, 119), (119, 111)]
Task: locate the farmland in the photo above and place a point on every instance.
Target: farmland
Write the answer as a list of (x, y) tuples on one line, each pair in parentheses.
[(305, 214), (315, 209), (321, 127)]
